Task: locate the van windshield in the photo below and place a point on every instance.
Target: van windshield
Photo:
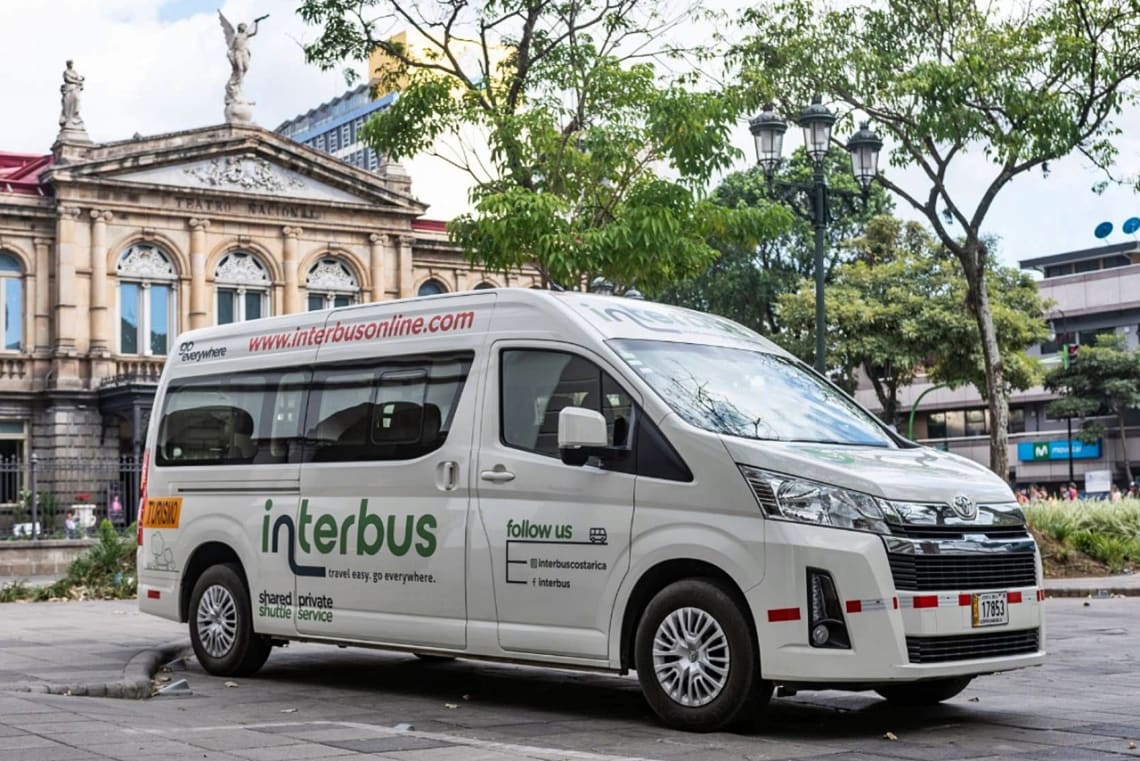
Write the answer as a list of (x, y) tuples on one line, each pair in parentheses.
[(750, 394)]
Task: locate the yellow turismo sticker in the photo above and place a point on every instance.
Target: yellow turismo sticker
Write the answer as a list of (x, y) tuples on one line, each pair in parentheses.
[(162, 512)]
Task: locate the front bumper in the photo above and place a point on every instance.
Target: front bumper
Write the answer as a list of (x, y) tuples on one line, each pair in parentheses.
[(895, 635)]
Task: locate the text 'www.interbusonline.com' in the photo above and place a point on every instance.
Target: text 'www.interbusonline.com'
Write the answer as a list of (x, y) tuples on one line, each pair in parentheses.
[(393, 327)]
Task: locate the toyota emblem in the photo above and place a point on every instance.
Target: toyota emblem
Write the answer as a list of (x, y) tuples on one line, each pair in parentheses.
[(965, 507)]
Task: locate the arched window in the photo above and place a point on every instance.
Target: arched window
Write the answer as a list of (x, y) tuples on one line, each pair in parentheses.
[(147, 316), (331, 284), (243, 288), (12, 301), (431, 287), (484, 286)]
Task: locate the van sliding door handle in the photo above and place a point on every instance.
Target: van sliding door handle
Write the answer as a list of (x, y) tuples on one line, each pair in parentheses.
[(497, 476)]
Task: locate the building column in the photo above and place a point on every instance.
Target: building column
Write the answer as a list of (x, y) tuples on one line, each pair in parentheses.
[(289, 262), (64, 307), (100, 324), (407, 274), (380, 244), (199, 310), (42, 297)]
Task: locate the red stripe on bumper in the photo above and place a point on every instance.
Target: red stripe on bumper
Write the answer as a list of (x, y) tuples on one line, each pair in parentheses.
[(965, 601), (1014, 597), (783, 614), (854, 606), (925, 601)]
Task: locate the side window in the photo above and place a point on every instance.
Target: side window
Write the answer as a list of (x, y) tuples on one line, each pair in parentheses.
[(389, 410), (537, 384), (233, 419)]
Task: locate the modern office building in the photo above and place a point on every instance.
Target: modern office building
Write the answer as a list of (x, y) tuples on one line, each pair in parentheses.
[(1093, 291), (334, 127)]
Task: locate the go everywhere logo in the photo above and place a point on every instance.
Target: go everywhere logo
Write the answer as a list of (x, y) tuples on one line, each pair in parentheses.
[(372, 533)]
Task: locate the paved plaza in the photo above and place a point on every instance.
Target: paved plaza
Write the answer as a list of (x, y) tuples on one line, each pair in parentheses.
[(320, 702)]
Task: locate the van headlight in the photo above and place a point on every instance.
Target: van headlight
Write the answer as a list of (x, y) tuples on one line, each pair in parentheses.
[(798, 499)]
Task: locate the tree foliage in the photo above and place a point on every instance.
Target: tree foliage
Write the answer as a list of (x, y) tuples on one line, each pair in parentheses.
[(745, 281), (946, 80), (897, 310), (1103, 380), (596, 162)]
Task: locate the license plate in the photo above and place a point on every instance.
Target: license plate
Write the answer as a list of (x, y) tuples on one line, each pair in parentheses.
[(990, 609)]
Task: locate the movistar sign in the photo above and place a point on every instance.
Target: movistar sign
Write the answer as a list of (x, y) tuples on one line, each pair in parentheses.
[(1034, 451)]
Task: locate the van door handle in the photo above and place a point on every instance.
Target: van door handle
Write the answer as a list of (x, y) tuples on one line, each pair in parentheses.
[(499, 475), (446, 479)]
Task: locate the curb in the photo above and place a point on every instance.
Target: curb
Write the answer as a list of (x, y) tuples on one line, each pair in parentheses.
[(136, 681), (1100, 593)]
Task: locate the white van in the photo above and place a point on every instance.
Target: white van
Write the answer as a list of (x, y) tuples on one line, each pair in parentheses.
[(577, 481)]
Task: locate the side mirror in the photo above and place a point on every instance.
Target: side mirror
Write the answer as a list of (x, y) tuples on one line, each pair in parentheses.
[(581, 433)]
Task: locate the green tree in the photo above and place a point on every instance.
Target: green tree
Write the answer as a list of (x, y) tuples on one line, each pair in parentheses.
[(1018, 85), (897, 310), (1104, 380), (596, 164), (745, 281)]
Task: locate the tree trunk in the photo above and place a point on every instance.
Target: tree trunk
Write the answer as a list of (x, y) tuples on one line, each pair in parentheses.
[(887, 395), (974, 266), (1124, 449)]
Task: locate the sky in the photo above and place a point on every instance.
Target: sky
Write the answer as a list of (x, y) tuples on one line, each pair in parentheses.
[(155, 66)]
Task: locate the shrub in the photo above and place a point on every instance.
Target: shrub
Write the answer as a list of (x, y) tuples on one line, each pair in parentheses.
[(106, 571), (1105, 531)]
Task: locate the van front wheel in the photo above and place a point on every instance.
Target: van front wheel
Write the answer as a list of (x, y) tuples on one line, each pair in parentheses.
[(221, 624), (695, 658)]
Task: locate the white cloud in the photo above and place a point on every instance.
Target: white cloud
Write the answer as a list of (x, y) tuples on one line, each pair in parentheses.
[(143, 75)]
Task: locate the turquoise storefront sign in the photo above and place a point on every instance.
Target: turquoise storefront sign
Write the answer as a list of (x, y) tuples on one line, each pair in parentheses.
[(1036, 451)]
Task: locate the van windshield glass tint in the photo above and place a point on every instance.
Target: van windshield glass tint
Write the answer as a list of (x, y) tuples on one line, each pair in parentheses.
[(749, 394)]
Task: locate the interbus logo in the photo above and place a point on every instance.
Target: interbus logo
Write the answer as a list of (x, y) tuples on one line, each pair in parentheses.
[(394, 327), (362, 533)]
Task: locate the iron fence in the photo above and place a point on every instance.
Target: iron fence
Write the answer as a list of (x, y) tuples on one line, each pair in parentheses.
[(37, 493)]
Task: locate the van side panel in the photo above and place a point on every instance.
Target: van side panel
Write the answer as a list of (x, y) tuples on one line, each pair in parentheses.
[(382, 521), (227, 387)]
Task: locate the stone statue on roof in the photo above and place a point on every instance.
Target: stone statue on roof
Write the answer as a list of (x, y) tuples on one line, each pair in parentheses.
[(238, 109), (69, 118)]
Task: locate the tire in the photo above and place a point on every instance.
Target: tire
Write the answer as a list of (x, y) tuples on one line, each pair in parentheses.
[(221, 624), (720, 652), (926, 693)]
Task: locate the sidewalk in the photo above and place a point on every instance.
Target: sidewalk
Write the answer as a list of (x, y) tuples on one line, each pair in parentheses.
[(1125, 584)]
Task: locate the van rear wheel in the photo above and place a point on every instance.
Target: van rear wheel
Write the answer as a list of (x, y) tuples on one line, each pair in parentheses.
[(696, 660), (221, 624), (928, 693)]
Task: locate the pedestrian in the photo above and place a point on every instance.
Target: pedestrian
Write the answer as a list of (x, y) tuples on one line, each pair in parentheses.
[(70, 525), (1133, 491), (1071, 494), (1114, 495)]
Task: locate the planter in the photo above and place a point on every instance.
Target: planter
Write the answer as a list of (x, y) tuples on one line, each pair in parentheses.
[(84, 516)]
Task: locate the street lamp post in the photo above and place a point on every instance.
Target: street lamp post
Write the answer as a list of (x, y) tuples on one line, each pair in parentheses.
[(768, 130), (1068, 418)]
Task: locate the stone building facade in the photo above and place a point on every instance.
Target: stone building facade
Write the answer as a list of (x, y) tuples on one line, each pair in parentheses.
[(109, 251)]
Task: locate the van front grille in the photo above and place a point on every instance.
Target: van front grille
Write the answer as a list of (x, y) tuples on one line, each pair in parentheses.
[(929, 573), (960, 531), (966, 647)]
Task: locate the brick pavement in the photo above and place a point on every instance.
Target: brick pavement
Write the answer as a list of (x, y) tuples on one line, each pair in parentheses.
[(319, 702)]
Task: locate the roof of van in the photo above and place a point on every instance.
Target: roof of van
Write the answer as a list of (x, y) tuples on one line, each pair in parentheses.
[(537, 313)]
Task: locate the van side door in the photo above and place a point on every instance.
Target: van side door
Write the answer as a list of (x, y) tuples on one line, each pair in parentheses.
[(558, 535), (384, 498)]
